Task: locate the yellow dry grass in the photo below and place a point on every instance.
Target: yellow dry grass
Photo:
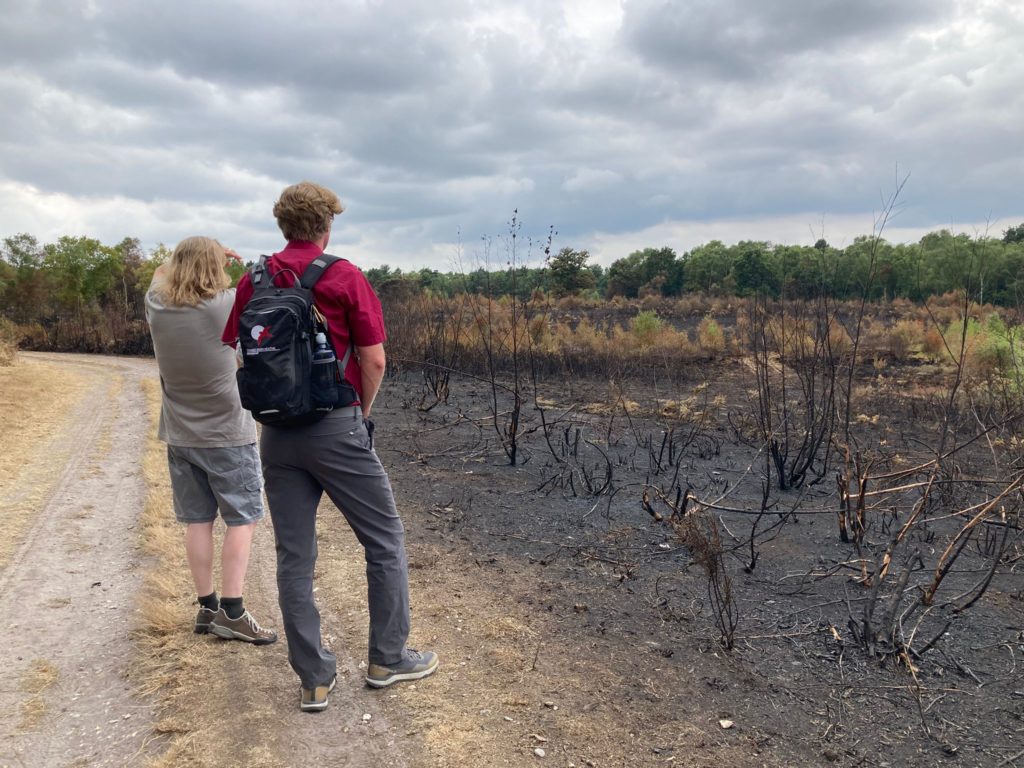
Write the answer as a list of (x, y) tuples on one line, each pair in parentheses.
[(37, 403), (36, 681), (197, 681), (9, 337)]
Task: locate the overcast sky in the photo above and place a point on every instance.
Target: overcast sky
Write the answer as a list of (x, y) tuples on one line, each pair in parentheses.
[(623, 124)]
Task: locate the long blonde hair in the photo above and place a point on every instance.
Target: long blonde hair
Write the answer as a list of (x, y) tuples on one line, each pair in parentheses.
[(194, 273)]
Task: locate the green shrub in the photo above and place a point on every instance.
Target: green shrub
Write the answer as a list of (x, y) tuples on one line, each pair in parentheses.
[(991, 348), (645, 327), (991, 352), (710, 337)]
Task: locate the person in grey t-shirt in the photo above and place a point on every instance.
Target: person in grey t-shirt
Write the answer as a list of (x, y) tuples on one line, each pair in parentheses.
[(211, 440)]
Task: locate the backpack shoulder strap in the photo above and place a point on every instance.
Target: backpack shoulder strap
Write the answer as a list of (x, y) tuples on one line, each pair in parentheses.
[(258, 272), (310, 276), (316, 269)]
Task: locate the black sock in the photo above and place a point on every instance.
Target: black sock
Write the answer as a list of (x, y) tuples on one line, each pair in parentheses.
[(209, 601), (232, 606)]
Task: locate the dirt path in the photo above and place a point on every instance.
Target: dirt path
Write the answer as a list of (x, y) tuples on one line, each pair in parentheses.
[(66, 593), (69, 587)]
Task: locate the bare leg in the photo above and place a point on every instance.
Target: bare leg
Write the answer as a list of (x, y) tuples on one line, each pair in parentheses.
[(235, 558), (199, 552)]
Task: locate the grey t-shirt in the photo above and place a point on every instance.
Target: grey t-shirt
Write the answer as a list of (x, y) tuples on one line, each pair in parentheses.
[(200, 406)]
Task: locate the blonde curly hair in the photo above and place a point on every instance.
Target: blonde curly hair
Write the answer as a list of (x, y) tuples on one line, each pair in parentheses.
[(194, 272), (305, 211)]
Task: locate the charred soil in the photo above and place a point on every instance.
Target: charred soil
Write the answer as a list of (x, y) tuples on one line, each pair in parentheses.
[(571, 621)]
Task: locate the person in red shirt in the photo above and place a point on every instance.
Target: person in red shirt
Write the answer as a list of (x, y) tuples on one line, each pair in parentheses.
[(334, 455)]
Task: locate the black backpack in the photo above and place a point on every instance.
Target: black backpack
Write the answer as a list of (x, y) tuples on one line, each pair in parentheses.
[(277, 330)]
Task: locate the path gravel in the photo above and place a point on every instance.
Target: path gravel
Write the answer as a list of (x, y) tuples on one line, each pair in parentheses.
[(67, 594)]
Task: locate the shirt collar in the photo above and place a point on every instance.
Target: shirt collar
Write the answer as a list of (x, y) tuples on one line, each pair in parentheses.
[(303, 247)]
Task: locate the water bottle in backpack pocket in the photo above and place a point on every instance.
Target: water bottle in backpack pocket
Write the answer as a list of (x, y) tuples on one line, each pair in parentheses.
[(325, 376)]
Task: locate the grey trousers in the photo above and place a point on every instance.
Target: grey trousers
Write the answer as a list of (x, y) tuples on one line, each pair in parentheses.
[(299, 464)]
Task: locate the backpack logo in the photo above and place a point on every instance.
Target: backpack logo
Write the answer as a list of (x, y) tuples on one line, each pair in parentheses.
[(260, 333)]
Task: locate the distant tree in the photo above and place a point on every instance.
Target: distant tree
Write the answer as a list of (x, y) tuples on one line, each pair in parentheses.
[(624, 276), (653, 269), (84, 270), (707, 268), (568, 272), (1014, 234), (132, 258), (662, 271), (25, 293), (798, 270), (380, 275), (435, 282), (752, 271), (947, 262), (22, 251)]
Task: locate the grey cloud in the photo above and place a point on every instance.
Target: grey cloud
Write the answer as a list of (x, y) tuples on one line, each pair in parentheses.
[(431, 119), (346, 49), (38, 32), (738, 40)]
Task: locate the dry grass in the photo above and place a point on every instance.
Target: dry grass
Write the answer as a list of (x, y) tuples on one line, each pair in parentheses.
[(197, 681), (8, 355), (509, 644), (32, 439), (37, 680), (166, 653), (9, 338)]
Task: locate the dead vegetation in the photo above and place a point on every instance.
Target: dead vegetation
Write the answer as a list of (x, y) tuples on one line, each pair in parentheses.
[(40, 677), (9, 338), (895, 428)]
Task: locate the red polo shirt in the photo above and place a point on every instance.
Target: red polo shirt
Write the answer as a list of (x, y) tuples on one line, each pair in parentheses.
[(343, 294)]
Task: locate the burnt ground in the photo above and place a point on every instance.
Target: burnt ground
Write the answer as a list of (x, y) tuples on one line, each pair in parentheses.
[(570, 620), (574, 629)]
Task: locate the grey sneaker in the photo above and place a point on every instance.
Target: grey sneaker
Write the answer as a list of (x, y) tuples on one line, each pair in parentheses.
[(203, 619), (315, 700), (243, 628), (413, 666)]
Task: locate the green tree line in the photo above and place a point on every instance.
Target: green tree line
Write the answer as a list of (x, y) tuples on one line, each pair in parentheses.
[(991, 268), (81, 294)]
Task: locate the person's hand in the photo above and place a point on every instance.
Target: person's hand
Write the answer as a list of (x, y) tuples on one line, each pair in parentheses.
[(232, 256)]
